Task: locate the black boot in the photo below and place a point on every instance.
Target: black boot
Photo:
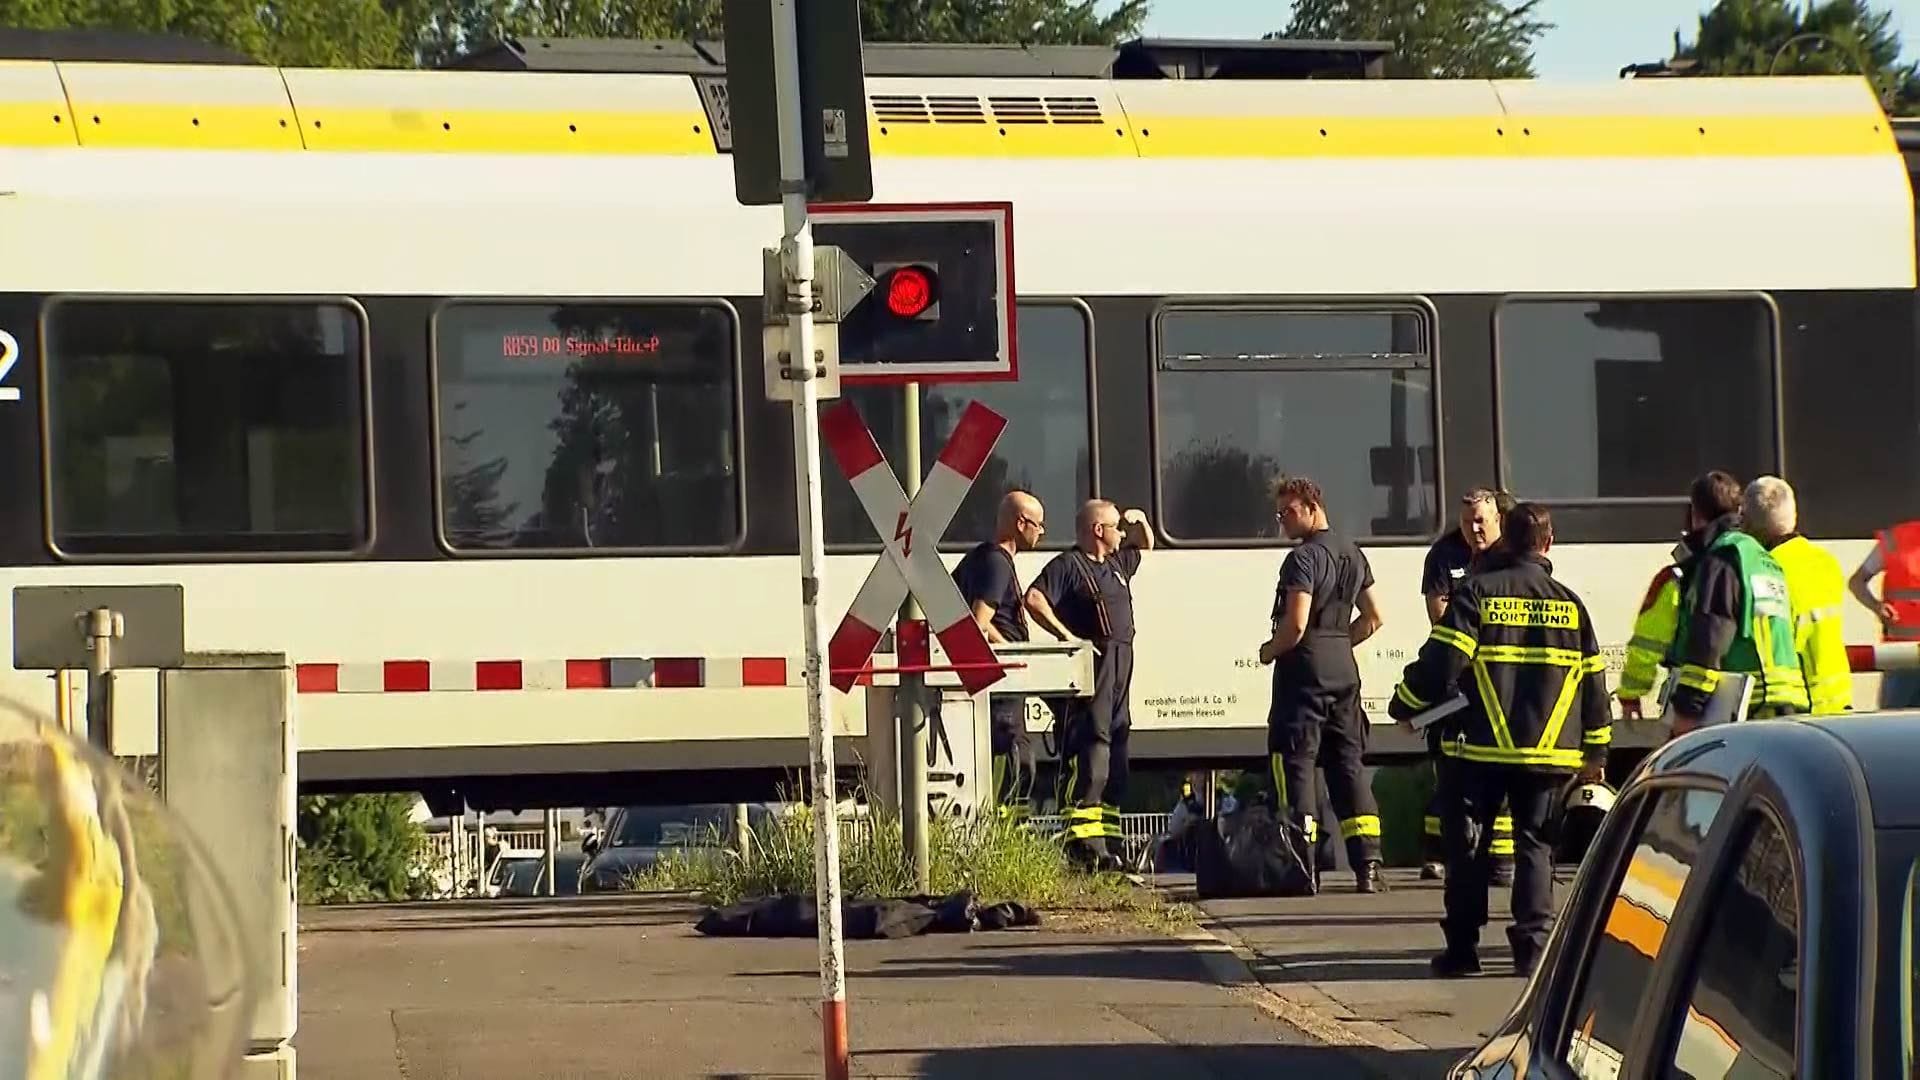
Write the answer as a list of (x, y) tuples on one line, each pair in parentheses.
[(1455, 963), (1369, 879)]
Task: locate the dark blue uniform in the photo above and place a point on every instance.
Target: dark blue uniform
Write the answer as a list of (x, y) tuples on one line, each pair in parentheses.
[(1315, 721), (986, 574), (1449, 562), (1093, 599)]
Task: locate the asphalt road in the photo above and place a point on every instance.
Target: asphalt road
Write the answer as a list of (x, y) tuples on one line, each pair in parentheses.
[(622, 987)]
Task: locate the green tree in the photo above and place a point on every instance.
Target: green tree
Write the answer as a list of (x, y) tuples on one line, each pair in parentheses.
[(1432, 39), (294, 33), (1771, 37), (442, 29), (1029, 22), (450, 27), (356, 848)]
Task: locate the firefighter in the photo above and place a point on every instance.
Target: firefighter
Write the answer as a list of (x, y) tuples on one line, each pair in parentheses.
[(991, 589), (1896, 553), (1315, 720), (1653, 631), (1536, 712), (1086, 592), (1734, 615), (1451, 558), (1816, 592)]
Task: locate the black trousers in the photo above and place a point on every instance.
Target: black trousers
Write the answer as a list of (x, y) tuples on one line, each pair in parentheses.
[(1470, 796), (1310, 729), (1499, 842), (1094, 764), (1013, 767)]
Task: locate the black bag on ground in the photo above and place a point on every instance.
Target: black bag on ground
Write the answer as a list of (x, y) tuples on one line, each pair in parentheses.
[(792, 915), (1251, 852)]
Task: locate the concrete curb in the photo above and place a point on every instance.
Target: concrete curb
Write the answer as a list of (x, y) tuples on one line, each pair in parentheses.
[(1302, 1005)]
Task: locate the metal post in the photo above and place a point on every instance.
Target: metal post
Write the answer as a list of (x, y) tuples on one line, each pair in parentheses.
[(457, 852), (796, 251), (553, 841), (913, 686), (62, 702), (102, 625), (742, 831)]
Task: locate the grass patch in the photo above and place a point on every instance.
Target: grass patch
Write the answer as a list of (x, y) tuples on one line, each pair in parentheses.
[(994, 859)]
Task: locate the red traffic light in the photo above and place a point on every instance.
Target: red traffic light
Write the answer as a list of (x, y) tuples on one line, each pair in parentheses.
[(910, 291)]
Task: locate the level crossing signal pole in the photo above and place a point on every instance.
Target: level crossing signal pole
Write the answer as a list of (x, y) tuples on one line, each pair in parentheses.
[(796, 250), (795, 117), (812, 53)]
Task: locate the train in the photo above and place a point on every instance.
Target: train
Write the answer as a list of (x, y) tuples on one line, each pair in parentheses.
[(280, 336)]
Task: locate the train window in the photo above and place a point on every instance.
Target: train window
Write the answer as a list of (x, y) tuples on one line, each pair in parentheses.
[(570, 427), (1742, 1008), (1343, 395), (1634, 929), (192, 428), (1046, 447), (1631, 399)]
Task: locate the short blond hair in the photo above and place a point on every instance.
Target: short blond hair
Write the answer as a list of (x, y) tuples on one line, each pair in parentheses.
[(1769, 510)]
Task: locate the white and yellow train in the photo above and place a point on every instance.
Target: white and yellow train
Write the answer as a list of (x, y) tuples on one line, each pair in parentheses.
[(280, 336)]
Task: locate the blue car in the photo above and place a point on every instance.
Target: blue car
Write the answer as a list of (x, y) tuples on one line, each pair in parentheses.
[(1747, 909)]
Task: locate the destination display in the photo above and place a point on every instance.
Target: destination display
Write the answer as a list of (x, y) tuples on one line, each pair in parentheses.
[(519, 346)]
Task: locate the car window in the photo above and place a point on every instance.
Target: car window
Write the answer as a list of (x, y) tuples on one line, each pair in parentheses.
[(1634, 928), (671, 826), (1746, 978)]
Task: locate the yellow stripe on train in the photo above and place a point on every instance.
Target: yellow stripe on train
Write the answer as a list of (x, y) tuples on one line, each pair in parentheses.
[(44, 104)]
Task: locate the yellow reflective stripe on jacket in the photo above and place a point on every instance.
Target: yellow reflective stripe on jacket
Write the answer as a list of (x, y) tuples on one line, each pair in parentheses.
[(1490, 702), (1600, 736), (1698, 678), (1653, 629), (1446, 635), (1530, 654), (1563, 704), (1501, 755), (1408, 697)]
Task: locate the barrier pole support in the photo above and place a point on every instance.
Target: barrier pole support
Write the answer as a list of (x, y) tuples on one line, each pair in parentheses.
[(796, 255), (552, 839), (102, 625), (912, 741)]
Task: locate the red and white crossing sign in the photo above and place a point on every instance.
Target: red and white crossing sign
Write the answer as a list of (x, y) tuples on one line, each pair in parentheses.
[(911, 535)]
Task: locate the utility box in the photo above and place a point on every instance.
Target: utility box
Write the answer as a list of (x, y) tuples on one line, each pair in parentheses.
[(960, 775), (227, 767)]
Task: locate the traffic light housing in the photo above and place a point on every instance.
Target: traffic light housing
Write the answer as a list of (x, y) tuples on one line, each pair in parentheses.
[(941, 308)]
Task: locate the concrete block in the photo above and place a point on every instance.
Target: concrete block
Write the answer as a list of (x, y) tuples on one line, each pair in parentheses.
[(227, 748), (277, 1064)]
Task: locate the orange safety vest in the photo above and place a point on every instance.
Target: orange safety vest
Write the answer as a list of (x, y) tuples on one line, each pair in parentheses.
[(1900, 589)]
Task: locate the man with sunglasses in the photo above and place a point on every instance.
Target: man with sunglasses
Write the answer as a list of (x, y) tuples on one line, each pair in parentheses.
[(991, 589), (1086, 592)]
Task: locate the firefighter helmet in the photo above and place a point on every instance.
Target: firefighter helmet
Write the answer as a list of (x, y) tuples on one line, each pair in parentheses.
[(1575, 818)]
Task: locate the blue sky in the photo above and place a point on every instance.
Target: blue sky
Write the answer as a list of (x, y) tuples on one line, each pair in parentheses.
[(1591, 39)]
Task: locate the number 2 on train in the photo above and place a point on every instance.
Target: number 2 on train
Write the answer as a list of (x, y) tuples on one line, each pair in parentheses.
[(9, 355)]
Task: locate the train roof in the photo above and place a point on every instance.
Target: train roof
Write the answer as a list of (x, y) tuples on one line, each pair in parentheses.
[(190, 105), (201, 176)]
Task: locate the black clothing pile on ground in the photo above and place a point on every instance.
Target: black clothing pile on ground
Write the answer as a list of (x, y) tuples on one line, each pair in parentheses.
[(1250, 852), (793, 916)]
